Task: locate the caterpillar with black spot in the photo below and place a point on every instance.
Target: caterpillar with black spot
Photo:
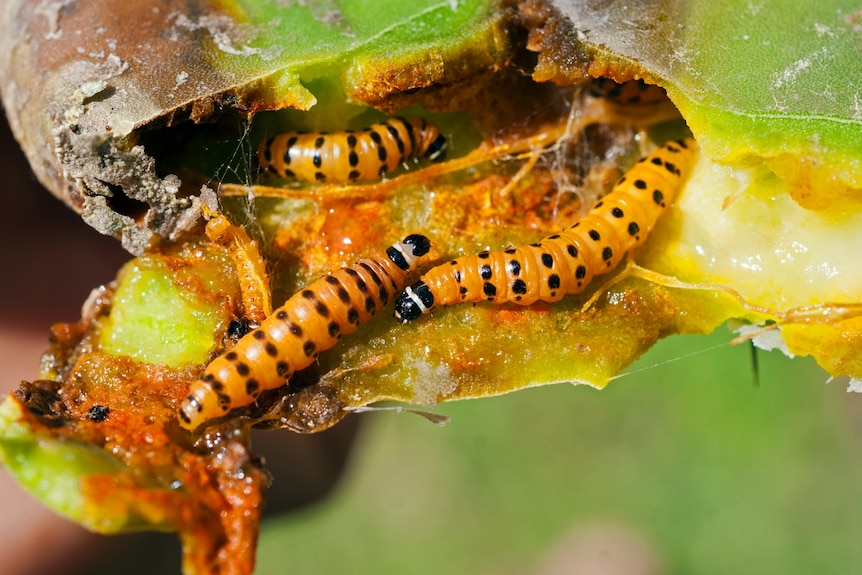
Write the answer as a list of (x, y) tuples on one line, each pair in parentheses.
[(351, 155), (633, 92), (563, 263), (310, 321)]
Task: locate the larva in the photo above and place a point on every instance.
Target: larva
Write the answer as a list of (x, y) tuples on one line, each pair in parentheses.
[(633, 92), (250, 266), (290, 339), (350, 155), (563, 263)]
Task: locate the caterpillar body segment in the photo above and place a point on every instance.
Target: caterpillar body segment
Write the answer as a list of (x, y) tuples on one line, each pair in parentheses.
[(564, 263), (351, 155), (311, 321), (631, 93)]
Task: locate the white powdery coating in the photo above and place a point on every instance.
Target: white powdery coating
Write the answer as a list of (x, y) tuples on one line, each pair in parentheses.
[(765, 339), (432, 382), (854, 385)]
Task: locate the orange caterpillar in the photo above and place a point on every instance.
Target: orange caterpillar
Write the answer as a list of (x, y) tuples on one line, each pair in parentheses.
[(311, 321), (350, 155), (250, 266), (563, 263), (633, 92)]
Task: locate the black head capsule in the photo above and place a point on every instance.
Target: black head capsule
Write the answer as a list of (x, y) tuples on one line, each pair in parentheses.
[(421, 244), (437, 149), (413, 302)]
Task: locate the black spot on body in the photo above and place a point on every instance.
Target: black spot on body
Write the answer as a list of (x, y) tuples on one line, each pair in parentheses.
[(554, 281), (572, 250), (334, 329), (489, 289), (547, 261), (373, 274), (658, 197), (607, 254), (617, 213), (230, 356), (633, 228), (410, 136), (321, 309), (396, 136), (519, 286), (485, 272), (193, 401), (271, 350), (515, 267), (343, 295), (581, 272), (308, 348), (640, 184), (251, 387), (224, 401), (282, 368), (242, 369), (353, 316), (594, 235)]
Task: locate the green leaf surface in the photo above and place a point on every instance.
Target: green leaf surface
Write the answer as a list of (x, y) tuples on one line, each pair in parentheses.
[(355, 42), (755, 81), (54, 470)]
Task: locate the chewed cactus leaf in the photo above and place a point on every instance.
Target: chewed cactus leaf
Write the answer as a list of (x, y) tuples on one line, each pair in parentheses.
[(244, 150)]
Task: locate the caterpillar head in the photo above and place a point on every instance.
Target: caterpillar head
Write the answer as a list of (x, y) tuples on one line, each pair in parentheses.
[(433, 143), (421, 245), (413, 302)]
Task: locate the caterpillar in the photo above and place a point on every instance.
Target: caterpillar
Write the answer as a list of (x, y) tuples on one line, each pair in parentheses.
[(250, 267), (633, 92), (563, 263), (350, 155), (310, 321)]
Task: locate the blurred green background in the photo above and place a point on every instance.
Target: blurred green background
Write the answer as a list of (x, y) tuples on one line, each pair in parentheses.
[(718, 474)]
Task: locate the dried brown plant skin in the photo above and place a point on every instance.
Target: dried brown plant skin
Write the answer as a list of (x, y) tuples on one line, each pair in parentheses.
[(81, 81)]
